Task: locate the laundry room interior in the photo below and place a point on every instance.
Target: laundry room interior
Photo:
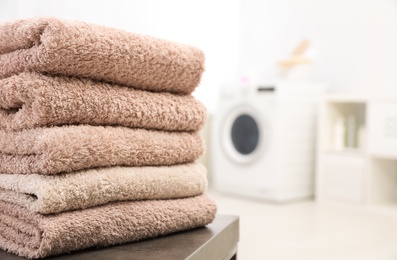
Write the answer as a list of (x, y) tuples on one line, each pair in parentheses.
[(301, 127)]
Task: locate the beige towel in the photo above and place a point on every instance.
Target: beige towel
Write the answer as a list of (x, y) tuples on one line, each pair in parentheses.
[(57, 193), (33, 235), (72, 48), (31, 100), (70, 148)]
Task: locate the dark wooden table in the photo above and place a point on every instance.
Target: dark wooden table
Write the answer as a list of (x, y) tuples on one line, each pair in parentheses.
[(216, 241)]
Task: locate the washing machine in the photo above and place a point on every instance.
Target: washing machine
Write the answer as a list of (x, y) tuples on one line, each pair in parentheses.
[(263, 140)]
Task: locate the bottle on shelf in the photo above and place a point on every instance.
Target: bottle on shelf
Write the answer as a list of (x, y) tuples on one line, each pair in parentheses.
[(339, 134), (362, 137), (351, 131)]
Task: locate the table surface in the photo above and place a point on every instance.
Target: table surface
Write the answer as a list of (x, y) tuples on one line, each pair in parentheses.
[(217, 240)]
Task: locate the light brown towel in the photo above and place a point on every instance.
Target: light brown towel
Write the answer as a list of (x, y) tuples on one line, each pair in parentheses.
[(31, 100), (33, 235), (73, 48), (70, 148), (53, 194)]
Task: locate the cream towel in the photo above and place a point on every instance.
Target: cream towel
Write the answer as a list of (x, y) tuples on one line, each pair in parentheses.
[(31, 100), (53, 194), (33, 235), (71, 48), (70, 148)]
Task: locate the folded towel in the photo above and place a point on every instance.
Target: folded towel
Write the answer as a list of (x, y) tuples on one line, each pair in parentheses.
[(72, 48), (70, 148), (57, 193), (33, 235), (31, 100)]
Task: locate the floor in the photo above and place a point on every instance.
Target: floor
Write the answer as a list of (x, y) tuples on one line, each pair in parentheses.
[(305, 230)]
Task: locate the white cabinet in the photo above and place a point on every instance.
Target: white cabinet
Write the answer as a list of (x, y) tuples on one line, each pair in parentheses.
[(382, 117), (357, 151), (344, 177)]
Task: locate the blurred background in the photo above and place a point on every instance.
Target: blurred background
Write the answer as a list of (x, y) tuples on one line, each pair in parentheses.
[(302, 101)]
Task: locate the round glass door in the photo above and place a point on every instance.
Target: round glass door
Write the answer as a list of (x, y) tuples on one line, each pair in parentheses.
[(245, 134)]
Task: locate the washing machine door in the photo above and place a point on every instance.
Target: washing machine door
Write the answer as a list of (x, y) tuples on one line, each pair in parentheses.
[(244, 134)]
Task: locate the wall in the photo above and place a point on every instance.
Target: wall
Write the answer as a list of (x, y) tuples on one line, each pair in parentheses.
[(212, 26), (355, 40)]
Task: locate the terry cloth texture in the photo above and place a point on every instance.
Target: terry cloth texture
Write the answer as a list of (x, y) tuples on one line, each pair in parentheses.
[(71, 148), (72, 48), (31, 100), (57, 193), (33, 235)]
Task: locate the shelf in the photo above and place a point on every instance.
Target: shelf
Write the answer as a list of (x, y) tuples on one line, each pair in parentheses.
[(345, 125), (382, 117), (344, 177), (349, 98), (360, 171), (383, 156), (347, 151), (383, 182)]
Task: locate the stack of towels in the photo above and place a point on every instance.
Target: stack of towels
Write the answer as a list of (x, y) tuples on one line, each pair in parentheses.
[(99, 137)]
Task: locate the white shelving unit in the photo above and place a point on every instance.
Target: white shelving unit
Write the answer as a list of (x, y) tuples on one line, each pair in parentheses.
[(357, 151)]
